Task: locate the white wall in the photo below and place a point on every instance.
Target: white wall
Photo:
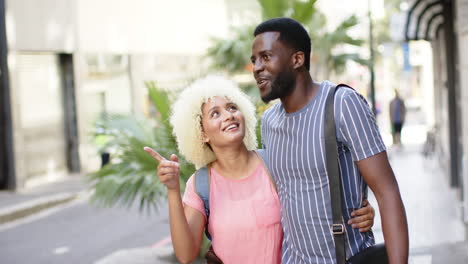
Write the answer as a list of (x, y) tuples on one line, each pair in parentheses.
[(421, 56), (243, 12), (149, 26), (164, 41), (115, 26), (337, 11), (38, 119), (40, 25)]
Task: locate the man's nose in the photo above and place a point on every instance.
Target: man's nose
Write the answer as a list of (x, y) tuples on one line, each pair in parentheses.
[(258, 66)]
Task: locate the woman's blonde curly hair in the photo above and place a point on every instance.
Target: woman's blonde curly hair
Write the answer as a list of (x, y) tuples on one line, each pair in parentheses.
[(187, 114)]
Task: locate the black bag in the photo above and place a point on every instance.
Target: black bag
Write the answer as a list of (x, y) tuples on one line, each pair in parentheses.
[(211, 257), (373, 254), (376, 254)]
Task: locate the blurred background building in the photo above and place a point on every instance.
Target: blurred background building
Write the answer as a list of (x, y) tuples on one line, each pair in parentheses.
[(71, 61), (444, 25)]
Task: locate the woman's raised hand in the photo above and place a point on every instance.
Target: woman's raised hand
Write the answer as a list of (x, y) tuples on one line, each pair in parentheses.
[(168, 170)]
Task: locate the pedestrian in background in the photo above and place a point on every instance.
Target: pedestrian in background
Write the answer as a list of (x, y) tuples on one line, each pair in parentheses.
[(397, 117), (214, 124)]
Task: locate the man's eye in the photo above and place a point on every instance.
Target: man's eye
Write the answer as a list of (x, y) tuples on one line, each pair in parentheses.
[(266, 57), (233, 108)]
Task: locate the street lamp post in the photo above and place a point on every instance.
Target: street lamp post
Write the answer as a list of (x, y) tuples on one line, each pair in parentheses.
[(371, 61), (7, 168)]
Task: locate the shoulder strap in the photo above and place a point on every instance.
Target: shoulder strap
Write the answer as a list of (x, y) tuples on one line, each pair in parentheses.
[(202, 187), (263, 156), (334, 178)]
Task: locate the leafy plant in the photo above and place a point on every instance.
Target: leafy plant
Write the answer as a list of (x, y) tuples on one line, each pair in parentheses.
[(324, 59), (131, 174), (232, 54)]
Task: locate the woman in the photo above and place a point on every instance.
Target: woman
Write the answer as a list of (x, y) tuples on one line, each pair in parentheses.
[(214, 124)]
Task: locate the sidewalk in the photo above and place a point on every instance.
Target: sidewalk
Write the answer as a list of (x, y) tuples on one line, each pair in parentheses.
[(433, 210), (434, 213), (22, 203)]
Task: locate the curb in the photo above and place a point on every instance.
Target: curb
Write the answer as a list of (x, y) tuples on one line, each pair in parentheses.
[(144, 255), (24, 209)]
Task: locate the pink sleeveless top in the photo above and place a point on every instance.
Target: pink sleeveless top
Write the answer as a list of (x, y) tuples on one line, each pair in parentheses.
[(244, 217)]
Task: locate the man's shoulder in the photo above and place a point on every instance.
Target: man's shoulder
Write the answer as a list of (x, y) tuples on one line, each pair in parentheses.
[(271, 111), (348, 95), (342, 91), (345, 91)]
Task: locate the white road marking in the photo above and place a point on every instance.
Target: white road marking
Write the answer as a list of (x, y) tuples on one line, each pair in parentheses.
[(61, 250)]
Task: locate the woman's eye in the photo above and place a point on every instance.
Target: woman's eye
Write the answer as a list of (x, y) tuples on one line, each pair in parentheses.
[(233, 108), (266, 57), (214, 114)]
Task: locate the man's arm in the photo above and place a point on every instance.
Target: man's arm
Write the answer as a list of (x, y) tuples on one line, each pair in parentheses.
[(358, 130), (378, 174)]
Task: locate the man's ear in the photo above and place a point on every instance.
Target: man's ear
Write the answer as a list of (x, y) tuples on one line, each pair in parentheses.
[(298, 59)]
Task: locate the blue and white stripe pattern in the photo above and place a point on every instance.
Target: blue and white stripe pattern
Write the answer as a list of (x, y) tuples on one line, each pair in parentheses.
[(295, 149)]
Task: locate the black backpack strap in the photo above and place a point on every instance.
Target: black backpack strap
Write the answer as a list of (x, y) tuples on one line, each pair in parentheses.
[(331, 148), (202, 187)]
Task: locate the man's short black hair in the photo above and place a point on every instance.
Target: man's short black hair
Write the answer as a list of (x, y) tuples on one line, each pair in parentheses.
[(292, 33)]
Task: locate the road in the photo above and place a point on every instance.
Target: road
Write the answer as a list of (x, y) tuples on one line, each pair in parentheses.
[(81, 233)]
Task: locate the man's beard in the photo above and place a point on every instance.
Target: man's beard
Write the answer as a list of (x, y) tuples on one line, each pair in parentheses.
[(281, 86)]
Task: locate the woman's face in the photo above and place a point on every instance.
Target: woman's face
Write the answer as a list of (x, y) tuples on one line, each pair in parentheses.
[(223, 123)]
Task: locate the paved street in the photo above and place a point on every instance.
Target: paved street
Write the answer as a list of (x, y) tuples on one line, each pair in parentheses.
[(80, 233)]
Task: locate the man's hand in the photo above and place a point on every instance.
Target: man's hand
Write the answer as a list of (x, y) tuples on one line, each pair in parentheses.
[(168, 170), (363, 218)]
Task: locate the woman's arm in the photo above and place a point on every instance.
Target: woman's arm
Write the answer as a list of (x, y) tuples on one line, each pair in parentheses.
[(187, 224), (363, 218)]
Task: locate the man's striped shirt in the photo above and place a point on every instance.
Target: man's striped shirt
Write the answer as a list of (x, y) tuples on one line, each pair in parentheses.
[(295, 148)]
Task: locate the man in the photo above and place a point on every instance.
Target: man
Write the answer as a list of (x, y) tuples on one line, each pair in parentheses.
[(292, 133), (397, 117)]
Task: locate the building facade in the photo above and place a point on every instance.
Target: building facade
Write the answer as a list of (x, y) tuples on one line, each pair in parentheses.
[(70, 61), (444, 24)]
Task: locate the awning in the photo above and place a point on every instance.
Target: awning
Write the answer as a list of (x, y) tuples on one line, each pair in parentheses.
[(424, 19)]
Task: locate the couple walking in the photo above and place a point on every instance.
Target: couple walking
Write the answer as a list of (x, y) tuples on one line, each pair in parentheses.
[(277, 209)]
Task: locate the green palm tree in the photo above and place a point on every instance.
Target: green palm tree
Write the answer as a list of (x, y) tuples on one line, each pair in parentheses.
[(131, 174), (233, 54), (324, 60)]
